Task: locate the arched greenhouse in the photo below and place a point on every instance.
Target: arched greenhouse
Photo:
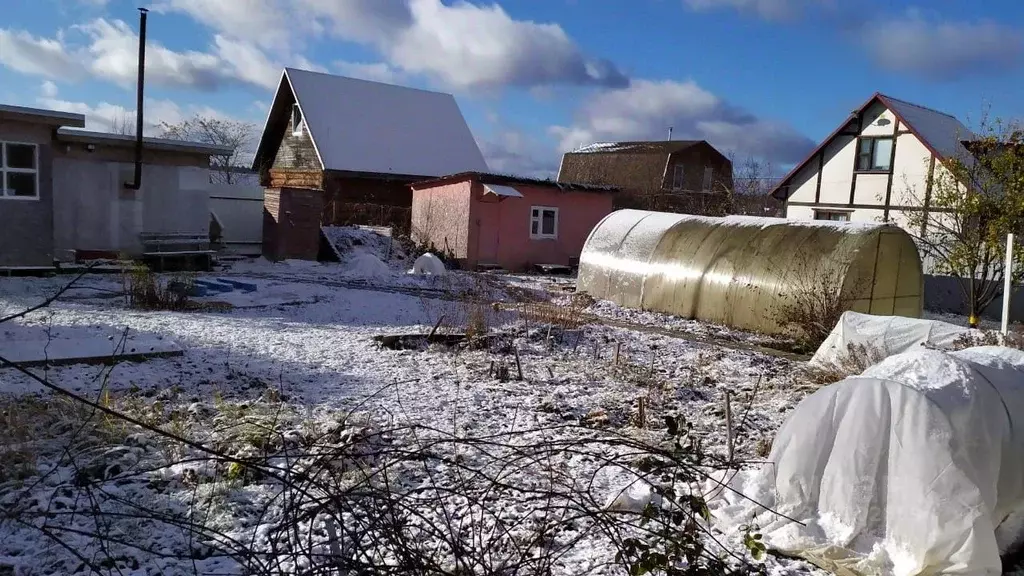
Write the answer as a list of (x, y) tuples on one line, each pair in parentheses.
[(741, 270)]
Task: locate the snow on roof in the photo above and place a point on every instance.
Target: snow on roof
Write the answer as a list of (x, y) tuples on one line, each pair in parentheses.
[(364, 126), (499, 190), (637, 146)]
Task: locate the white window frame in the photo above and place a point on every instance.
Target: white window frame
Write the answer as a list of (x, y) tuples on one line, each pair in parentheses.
[(678, 176), (847, 213), (537, 216), (4, 170), (297, 125)]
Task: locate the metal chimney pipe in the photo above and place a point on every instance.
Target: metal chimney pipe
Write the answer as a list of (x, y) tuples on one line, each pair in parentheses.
[(138, 105), (669, 132)]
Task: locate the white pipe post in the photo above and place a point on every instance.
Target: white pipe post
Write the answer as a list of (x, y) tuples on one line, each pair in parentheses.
[(1007, 284)]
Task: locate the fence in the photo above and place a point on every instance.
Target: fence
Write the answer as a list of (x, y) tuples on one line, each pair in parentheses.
[(237, 211)]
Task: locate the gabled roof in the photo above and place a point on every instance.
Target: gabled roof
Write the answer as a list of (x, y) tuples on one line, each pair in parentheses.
[(372, 127), (627, 164), (489, 178), (126, 140), (42, 116), (942, 134)]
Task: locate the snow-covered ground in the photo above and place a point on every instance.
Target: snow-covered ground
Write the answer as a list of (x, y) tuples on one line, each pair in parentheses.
[(297, 359)]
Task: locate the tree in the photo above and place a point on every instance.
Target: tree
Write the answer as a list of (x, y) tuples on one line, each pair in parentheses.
[(122, 124), (236, 136), (752, 184), (974, 200)]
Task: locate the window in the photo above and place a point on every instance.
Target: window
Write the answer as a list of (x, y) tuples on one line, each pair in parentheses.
[(836, 216), (296, 120), (709, 174), (874, 154), (19, 171), (678, 172), (543, 222)]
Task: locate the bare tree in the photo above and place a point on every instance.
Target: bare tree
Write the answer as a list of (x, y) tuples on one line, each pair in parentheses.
[(122, 124), (237, 136), (753, 180), (974, 200)]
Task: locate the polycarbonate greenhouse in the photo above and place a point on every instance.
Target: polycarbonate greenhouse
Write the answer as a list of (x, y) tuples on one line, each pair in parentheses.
[(741, 270)]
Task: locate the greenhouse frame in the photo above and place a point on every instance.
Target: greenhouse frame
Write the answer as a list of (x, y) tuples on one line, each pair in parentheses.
[(743, 271)]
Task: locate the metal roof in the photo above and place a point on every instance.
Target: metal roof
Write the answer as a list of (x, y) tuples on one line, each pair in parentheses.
[(88, 136), (372, 127), (43, 116)]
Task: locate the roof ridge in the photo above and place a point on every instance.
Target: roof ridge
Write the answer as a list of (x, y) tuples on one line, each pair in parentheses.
[(364, 80), (901, 101)]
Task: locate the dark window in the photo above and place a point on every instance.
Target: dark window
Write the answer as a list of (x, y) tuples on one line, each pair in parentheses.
[(678, 174), (19, 175), (874, 154), (709, 174), (21, 184), (21, 156), (543, 222), (832, 215), (296, 120)]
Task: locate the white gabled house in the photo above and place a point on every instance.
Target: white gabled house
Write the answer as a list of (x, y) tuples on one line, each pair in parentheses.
[(876, 166)]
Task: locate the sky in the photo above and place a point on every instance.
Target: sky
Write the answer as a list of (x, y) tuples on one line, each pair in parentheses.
[(762, 79)]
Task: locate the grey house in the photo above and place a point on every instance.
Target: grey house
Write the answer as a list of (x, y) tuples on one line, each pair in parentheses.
[(63, 195)]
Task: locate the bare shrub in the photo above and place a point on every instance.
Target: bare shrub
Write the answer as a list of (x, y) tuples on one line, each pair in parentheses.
[(146, 290), (814, 300), (988, 338), (856, 359)]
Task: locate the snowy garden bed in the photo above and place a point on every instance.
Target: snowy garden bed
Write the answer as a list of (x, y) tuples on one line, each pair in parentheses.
[(308, 442)]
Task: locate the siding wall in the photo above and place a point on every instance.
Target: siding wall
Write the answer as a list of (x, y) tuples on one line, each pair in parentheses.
[(26, 226), (441, 216)]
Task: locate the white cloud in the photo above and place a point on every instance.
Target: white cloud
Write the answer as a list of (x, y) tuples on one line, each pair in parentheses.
[(378, 72), (28, 54), (939, 50), (646, 110), (510, 151), (265, 23), (767, 9), (109, 117), (465, 45), (110, 52), (48, 89)]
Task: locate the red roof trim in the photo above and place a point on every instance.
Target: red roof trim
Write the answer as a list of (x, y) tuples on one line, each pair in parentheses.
[(785, 180), (887, 102)]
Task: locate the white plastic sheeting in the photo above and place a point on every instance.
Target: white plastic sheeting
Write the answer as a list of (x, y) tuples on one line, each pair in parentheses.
[(885, 335), (914, 467), (428, 264)]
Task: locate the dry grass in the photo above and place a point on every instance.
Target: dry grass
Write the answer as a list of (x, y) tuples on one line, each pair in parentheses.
[(145, 290), (856, 360), (988, 338)]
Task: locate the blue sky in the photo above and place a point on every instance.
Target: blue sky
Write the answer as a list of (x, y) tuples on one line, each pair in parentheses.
[(757, 78)]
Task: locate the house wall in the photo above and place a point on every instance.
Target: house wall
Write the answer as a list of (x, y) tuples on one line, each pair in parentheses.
[(505, 226), (694, 160), (95, 213), (441, 216), (830, 182), (296, 151), (26, 226), (291, 223), (368, 201)]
